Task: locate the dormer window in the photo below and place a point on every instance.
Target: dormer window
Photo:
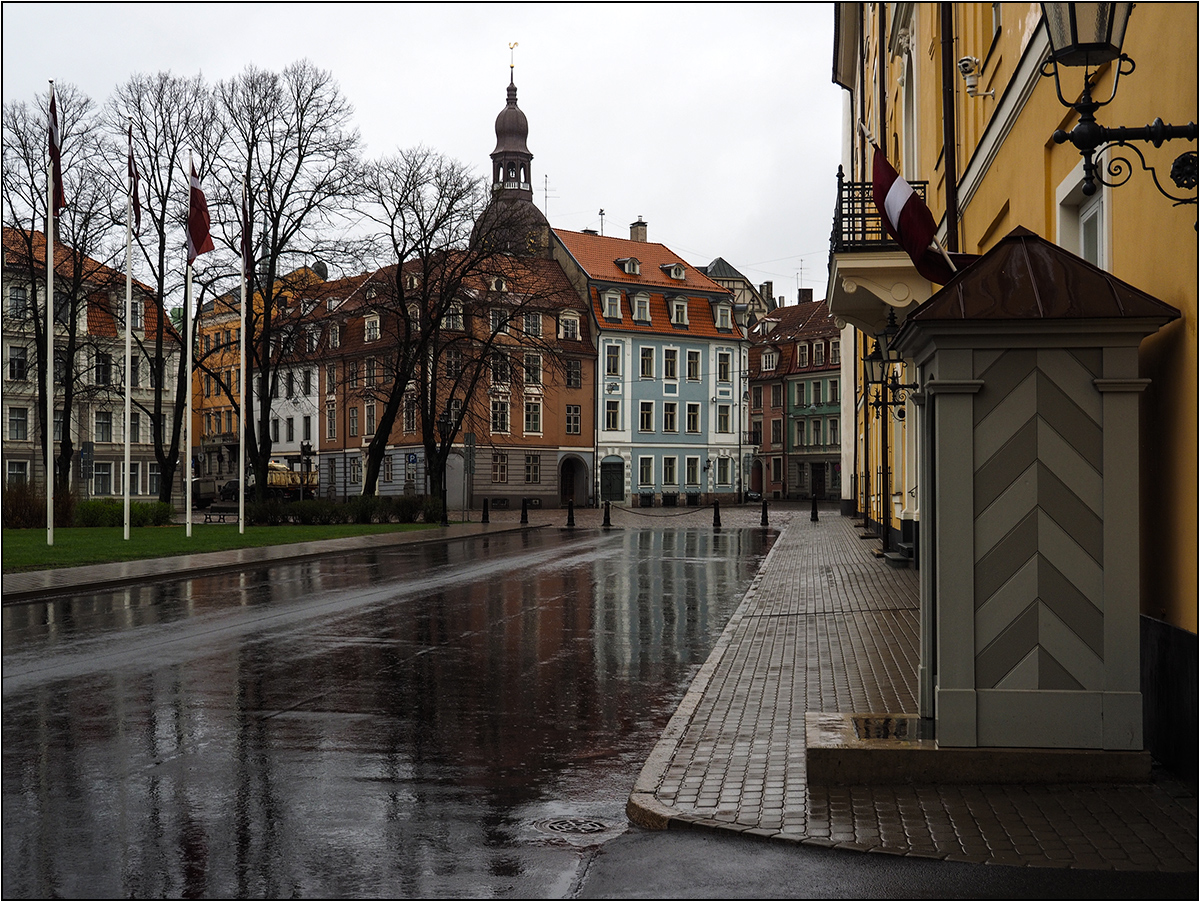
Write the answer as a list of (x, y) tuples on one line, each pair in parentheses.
[(568, 327), (674, 271), (802, 355), (770, 360), (498, 284), (724, 318), (630, 265), (819, 353), (371, 330), (612, 305), (641, 307), (679, 312)]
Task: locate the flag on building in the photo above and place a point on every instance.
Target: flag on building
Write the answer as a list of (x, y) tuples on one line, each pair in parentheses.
[(247, 247), (134, 178), (60, 197), (909, 221), (199, 237)]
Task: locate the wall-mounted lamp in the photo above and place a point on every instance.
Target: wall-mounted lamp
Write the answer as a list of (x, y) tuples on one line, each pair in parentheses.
[(1090, 35)]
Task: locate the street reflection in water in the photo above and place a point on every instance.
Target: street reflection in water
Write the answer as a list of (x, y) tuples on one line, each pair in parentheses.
[(458, 719)]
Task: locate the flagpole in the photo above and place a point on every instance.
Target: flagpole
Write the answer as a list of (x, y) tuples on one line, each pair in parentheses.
[(50, 342), (128, 332), (187, 332), (949, 262), (243, 420)]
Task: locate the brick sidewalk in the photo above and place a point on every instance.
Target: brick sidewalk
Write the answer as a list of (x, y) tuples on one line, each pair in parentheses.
[(828, 627)]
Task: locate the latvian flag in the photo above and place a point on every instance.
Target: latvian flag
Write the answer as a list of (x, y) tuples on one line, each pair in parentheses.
[(199, 238), (60, 197), (908, 220), (134, 178)]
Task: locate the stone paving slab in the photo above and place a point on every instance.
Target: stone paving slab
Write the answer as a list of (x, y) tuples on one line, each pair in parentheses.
[(825, 626)]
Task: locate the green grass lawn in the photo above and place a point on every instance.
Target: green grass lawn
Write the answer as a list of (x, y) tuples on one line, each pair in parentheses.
[(26, 549)]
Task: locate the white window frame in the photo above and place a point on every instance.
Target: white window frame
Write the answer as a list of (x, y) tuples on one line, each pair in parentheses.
[(646, 416), (646, 362), (533, 417), (670, 471), (645, 471), (671, 364), (724, 317), (612, 305), (641, 307), (371, 328), (679, 312), (568, 327), (612, 415), (692, 470)]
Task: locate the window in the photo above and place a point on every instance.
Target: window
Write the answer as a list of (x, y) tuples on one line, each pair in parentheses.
[(835, 352), (776, 432), (670, 363), (353, 422), (816, 432), (679, 312), (693, 417), (62, 307), (777, 395), (410, 413), (207, 385), (724, 362), (612, 415), (569, 327), (499, 466), (641, 307), (800, 434), (818, 353), (135, 371), (352, 374), (500, 415), (724, 319), (835, 436), (500, 373), (816, 394), (723, 418), (670, 416), (18, 303), (103, 426), (801, 355), (756, 398), (723, 471), (371, 327), (533, 369), (102, 478), (670, 473), (454, 318), (612, 360), (330, 378), (693, 366), (154, 478), (291, 429), (646, 471), (18, 424), (370, 420), (455, 409), (612, 305), (207, 344), (453, 361), (229, 421), (103, 368), (136, 310), (574, 419), (574, 374), (307, 382), (1091, 223), (533, 324), (335, 336), (646, 417), (776, 469), (290, 382), (18, 472), (311, 338), (770, 360), (18, 366), (499, 320), (371, 370), (692, 468), (800, 394), (135, 427), (533, 417), (388, 470), (533, 468), (833, 391), (330, 420), (135, 477), (647, 363), (356, 471), (630, 265)]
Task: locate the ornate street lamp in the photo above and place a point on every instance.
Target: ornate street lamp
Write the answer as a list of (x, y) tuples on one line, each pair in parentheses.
[(883, 370), (1090, 35)]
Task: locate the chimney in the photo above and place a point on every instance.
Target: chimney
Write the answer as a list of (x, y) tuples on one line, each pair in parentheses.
[(767, 290), (804, 296), (637, 230), (590, 232)]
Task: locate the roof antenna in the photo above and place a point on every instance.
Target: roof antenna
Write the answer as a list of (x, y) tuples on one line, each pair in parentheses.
[(601, 222)]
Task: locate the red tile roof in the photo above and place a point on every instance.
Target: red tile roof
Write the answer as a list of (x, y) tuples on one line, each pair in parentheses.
[(596, 256)]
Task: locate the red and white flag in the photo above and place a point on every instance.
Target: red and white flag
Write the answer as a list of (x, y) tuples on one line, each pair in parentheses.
[(134, 178), (199, 237), (908, 220), (60, 197), (247, 247)]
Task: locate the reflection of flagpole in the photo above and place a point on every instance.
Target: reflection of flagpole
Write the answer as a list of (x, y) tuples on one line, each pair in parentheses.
[(128, 333), (50, 334), (243, 419), (187, 333)]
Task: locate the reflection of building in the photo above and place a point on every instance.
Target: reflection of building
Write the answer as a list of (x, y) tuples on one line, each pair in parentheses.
[(987, 164), (795, 404), (97, 379), (671, 370)]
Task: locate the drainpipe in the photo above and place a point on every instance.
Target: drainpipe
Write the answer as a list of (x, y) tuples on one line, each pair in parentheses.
[(950, 156)]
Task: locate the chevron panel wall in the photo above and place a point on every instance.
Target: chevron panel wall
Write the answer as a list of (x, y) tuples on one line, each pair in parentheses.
[(1039, 554)]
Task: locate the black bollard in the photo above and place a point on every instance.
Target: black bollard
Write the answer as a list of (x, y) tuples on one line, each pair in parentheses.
[(764, 516), (524, 511), (570, 513), (716, 513), (485, 512), (814, 509), (607, 521)]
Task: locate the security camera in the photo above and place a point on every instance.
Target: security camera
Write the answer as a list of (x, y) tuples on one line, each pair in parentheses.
[(968, 65)]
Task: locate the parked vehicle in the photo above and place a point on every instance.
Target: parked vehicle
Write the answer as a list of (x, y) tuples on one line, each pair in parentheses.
[(204, 491)]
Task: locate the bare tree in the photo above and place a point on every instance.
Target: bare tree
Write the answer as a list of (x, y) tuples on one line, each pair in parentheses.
[(291, 141)]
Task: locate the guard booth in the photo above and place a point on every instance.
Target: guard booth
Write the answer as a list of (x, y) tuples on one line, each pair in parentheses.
[(1027, 365)]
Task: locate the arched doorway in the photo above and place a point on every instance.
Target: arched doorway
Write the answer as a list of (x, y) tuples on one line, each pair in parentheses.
[(612, 479), (572, 482), (756, 476)]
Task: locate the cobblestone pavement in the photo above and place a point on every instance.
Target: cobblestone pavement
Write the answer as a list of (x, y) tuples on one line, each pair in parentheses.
[(828, 627)]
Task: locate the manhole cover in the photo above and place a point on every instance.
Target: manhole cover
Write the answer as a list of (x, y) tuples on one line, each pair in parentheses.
[(573, 826)]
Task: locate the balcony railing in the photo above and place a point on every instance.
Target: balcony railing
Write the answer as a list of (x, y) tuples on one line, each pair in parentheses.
[(856, 221)]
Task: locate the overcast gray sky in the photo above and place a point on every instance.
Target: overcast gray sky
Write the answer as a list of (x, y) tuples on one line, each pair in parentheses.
[(717, 123)]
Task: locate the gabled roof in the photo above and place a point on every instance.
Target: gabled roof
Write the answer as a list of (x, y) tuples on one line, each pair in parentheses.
[(720, 269), (597, 256), (701, 323)]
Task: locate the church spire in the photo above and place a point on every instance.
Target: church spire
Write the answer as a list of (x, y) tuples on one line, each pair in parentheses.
[(511, 172)]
